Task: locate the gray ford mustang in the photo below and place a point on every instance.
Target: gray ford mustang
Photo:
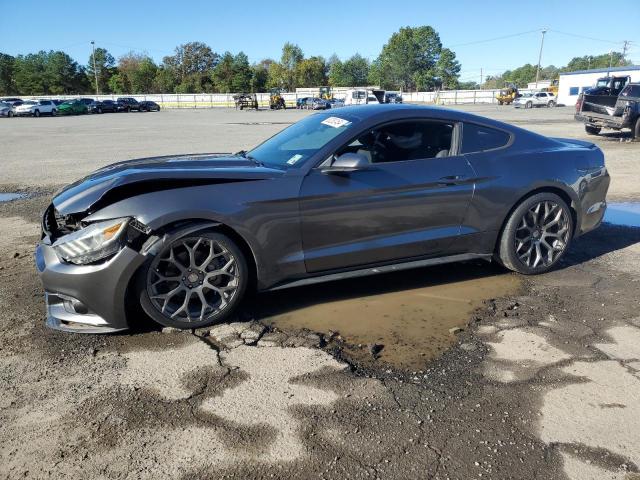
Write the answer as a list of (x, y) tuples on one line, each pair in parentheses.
[(361, 191)]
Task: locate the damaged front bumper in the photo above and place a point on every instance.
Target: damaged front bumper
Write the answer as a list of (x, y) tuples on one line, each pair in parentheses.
[(87, 298)]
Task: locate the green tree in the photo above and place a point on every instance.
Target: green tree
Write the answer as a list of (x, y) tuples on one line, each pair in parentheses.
[(337, 74), (310, 72), (277, 76), (105, 66), (586, 62), (409, 57), (260, 75), (291, 56), (46, 73), (469, 85), (354, 72), (136, 74), (164, 81), (242, 73), (192, 64), (222, 74), (7, 81), (448, 69)]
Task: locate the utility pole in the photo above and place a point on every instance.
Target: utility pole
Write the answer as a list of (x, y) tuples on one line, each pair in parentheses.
[(610, 59), (625, 47), (95, 71), (544, 30), (480, 78)]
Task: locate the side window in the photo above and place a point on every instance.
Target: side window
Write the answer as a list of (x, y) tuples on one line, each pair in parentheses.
[(635, 91), (397, 142), (478, 139)]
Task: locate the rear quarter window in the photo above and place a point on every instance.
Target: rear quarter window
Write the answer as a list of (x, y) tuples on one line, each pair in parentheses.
[(476, 138)]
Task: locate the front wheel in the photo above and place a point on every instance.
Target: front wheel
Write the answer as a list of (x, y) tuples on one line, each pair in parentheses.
[(528, 105), (194, 282), (54, 112), (536, 235), (636, 130), (591, 130), (551, 104), (36, 113)]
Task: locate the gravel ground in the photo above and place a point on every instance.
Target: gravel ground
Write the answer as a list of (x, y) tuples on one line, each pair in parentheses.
[(542, 383)]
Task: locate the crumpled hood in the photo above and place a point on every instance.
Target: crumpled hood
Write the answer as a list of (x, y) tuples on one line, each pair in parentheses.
[(135, 177)]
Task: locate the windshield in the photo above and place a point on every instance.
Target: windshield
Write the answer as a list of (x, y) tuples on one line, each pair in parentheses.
[(528, 95), (297, 143)]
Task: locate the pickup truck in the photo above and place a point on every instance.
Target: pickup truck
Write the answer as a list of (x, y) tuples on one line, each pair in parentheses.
[(599, 111)]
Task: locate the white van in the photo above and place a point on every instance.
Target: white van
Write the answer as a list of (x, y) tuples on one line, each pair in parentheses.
[(361, 96)]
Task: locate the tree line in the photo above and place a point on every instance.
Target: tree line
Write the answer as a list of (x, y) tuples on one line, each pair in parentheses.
[(525, 74), (412, 59)]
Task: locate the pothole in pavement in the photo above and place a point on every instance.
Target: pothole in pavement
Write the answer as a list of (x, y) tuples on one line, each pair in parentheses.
[(403, 319), (623, 213)]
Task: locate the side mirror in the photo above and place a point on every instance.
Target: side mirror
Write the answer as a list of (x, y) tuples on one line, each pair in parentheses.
[(348, 162)]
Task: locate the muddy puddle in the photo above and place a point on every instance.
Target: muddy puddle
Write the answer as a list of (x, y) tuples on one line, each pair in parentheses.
[(7, 197), (412, 314), (623, 213)]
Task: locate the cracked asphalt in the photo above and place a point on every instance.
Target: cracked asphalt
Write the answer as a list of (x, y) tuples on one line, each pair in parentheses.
[(543, 383)]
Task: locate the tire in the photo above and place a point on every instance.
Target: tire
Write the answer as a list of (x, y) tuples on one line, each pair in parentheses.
[(551, 104), (36, 113), (636, 130), (528, 105), (190, 276), (536, 234), (10, 114), (99, 110), (591, 130), (54, 112), (500, 103)]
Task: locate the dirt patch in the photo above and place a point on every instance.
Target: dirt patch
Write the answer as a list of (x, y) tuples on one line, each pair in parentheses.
[(404, 320)]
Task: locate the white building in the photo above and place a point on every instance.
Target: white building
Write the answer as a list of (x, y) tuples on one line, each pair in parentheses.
[(571, 84)]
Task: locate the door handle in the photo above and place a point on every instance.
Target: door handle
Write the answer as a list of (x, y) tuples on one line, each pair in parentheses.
[(451, 180)]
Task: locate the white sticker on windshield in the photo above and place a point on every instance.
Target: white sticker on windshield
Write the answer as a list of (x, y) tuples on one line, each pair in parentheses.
[(336, 122), (294, 159)]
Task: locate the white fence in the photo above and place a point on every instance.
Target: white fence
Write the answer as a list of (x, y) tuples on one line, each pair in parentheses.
[(213, 100)]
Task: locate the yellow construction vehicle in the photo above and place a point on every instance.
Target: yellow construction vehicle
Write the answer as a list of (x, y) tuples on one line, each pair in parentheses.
[(326, 93), (508, 94), (276, 100), (553, 88)]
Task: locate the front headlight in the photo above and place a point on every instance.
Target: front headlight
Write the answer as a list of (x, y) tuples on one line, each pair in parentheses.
[(92, 243)]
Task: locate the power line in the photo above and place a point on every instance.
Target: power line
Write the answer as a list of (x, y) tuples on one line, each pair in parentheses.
[(584, 37), (494, 39)]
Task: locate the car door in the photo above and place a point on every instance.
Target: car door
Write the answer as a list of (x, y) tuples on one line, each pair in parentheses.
[(407, 205)]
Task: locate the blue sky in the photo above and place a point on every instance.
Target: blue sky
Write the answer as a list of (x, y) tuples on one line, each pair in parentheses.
[(259, 28)]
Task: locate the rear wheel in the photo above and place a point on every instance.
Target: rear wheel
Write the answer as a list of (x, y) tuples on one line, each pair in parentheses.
[(636, 130), (54, 112), (536, 235), (36, 113), (194, 282), (528, 105), (551, 104), (591, 130)]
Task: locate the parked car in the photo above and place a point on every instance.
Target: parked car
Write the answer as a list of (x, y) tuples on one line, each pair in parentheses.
[(127, 104), (358, 191), (598, 111), (58, 101), (35, 108), (93, 106), (359, 96), (109, 106), (539, 99), (148, 106), (318, 104), (336, 102), (392, 97), (300, 102), (12, 101), (73, 107), (6, 109)]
